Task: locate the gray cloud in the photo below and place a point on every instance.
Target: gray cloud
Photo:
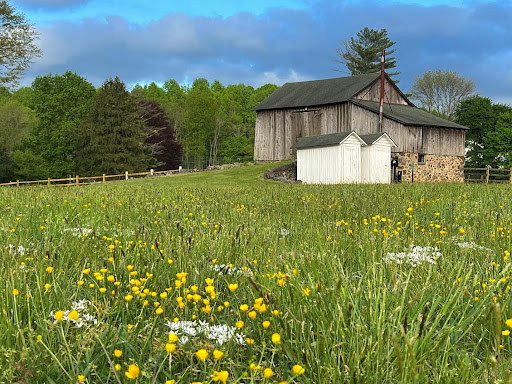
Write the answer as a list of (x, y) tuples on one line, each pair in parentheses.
[(50, 4), (284, 45)]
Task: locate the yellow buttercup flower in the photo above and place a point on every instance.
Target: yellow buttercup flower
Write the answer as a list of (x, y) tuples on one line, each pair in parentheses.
[(298, 370), (509, 323), (159, 311), (217, 355), (202, 355), (15, 292), (73, 315), (132, 372), (59, 315), (276, 338), (49, 269), (170, 348), (81, 378), (118, 353), (173, 338), (268, 373), (220, 376), (239, 324), (505, 333), (233, 287)]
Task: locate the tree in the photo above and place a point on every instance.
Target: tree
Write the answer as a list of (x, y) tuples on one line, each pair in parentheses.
[(60, 102), (363, 54), (499, 142), (441, 91), (480, 115), (17, 47), (160, 136), (111, 137)]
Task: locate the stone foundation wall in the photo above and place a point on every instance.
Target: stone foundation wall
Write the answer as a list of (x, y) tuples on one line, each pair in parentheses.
[(435, 168)]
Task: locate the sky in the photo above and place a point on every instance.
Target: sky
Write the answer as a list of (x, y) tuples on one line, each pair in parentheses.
[(267, 41)]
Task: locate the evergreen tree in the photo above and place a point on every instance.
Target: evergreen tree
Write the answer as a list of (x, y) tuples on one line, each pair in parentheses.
[(111, 137), (363, 54)]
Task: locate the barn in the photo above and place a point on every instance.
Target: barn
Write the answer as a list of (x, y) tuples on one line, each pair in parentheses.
[(428, 148)]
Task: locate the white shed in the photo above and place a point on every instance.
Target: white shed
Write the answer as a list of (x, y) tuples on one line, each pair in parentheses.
[(376, 158), (329, 159)]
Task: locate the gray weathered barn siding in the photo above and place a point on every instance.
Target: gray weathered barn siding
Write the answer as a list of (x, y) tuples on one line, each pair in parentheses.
[(283, 118)]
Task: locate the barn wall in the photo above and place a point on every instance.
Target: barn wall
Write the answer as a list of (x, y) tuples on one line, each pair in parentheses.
[(391, 95), (277, 130), (435, 168)]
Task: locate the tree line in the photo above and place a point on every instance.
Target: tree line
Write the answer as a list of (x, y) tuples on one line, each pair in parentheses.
[(62, 125)]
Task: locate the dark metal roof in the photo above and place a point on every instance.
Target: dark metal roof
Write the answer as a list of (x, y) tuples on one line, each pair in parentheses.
[(373, 137), (317, 92), (321, 140), (409, 115)]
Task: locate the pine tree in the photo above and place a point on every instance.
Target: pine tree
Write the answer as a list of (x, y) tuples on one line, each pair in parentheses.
[(111, 138), (362, 55)]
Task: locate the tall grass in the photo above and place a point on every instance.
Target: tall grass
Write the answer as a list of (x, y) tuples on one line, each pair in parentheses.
[(313, 261)]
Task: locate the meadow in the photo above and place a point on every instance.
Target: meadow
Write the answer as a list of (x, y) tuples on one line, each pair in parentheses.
[(225, 277)]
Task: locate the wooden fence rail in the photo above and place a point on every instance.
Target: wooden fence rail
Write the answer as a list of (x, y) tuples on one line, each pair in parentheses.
[(77, 180), (488, 175)]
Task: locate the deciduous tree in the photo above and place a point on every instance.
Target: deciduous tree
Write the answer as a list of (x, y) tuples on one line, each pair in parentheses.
[(17, 44), (441, 91)]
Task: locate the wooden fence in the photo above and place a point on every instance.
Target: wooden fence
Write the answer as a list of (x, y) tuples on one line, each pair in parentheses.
[(488, 175), (77, 180)]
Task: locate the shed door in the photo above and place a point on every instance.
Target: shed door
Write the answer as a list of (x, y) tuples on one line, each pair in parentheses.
[(383, 166), (351, 165)]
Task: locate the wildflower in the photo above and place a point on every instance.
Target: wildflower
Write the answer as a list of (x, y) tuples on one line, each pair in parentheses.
[(49, 269), (170, 382), (239, 324), (202, 355), (276, 338), (253, 367), (59, 315), (81, 378), (173, 338), (117, 367), (249, 341), (298, 370), (266, 324), (244, 307), (133, 372), (170, 348), (118, 353), (505, 333), (233, 287), (73, 315), (509, 323), (281, 282), (220, 376), (252, 314), (217, 355), (306, 291), (86, 271), (268, 373), (128, 297), (159, 311), (15, 292)]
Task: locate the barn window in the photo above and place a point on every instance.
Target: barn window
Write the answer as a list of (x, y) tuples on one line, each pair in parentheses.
[(421, 158)]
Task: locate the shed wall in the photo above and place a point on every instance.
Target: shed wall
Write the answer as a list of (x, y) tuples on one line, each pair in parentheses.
[(319, 165), (376, 163)]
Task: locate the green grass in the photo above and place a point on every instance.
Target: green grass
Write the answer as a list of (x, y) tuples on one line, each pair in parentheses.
[(310, 260)]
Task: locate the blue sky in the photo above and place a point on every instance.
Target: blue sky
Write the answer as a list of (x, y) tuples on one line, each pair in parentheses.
[(257, 42)]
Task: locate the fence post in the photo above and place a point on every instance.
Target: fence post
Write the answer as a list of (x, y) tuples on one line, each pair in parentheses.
[(179, 169), (126, 175), (152, 172), (104, 178), (510, 175), (48, 181), (18, 182), (487, 172), (77, 180)]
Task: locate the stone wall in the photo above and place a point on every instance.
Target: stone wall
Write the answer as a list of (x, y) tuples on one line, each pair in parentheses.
[(434, 168)]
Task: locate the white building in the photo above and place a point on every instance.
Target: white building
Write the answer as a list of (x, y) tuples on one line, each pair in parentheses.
[(344, 157)]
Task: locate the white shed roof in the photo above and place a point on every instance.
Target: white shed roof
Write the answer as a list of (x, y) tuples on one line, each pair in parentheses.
[(326, 140)]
